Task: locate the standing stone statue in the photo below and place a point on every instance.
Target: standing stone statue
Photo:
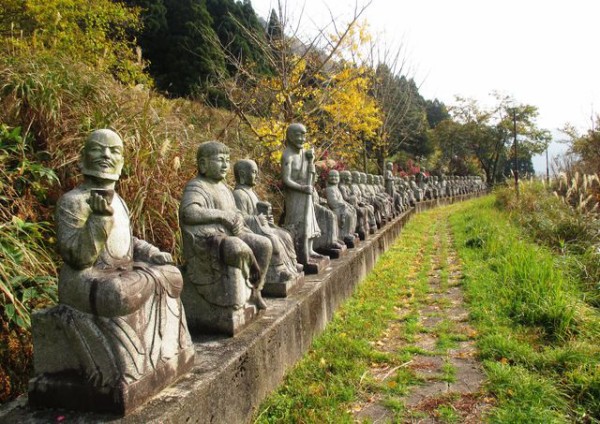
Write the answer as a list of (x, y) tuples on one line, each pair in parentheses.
[(285, 273), (345, 212), (225, 262), (298, 176), (119, 333)]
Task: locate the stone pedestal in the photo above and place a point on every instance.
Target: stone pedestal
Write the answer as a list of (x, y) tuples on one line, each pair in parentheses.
[(353, 242), (333, 253), (283, 289), (316, 266), (219, 304), (63, 386)]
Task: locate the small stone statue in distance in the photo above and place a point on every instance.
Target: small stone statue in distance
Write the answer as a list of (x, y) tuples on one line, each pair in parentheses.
[(119, 333), (345, 212)]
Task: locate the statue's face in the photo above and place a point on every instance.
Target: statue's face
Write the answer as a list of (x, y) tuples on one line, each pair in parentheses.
[(345, 177), (216, 166), (297, 136), (250, 175), (356, 178), (333, 178), (103, 156)]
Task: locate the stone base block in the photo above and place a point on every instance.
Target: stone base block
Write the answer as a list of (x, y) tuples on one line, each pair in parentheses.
[(206, 318), (352, 242), (333, 253), (283, 289), (68, 390), (316, 266)]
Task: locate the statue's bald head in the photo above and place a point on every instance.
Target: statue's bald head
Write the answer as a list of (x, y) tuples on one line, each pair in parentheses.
[(102, 155)]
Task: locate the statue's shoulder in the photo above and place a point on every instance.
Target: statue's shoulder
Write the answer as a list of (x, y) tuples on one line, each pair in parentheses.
[(73, 199), (289, 154)]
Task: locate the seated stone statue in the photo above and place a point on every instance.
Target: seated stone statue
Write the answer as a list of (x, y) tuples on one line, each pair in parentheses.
[(381, 206), (345, 212), (284, 272), (119, 333), (365, 217), (300, 217), (225, 262), (329, 242), (359, 191), (417, 191)]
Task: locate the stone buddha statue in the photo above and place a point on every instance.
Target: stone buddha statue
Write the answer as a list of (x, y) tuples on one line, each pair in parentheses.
[(285, 271), (344, 211), (365, 217), (119, 333), (225, 262), (300, 218)]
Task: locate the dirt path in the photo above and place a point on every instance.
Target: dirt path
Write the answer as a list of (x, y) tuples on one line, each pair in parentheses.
[(443, 377)]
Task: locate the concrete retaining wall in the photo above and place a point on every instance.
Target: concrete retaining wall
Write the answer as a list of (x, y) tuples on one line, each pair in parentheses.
[(231, 376)]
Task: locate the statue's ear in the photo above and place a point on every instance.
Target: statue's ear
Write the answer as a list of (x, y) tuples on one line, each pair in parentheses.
[(202, 165)]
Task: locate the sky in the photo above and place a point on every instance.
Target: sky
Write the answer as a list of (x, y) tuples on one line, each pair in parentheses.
[(542, 53)]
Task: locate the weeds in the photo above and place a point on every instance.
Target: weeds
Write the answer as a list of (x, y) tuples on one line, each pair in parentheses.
[(538, 335)]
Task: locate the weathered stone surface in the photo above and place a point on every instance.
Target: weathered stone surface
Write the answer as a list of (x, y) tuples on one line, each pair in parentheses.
[(119, 334), (225, 262), (284, 274), (233, 375)]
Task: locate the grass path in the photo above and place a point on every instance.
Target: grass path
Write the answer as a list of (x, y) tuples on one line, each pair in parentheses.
[(443, 377), (399, 350)]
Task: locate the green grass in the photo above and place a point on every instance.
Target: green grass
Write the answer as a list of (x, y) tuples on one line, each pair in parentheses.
[(334, 374), (538, 338)]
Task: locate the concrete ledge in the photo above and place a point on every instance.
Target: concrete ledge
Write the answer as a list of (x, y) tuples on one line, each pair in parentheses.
[(231, 376)]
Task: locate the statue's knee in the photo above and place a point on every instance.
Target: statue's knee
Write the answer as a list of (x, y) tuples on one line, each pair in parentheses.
[(119, 295), (235, 252)]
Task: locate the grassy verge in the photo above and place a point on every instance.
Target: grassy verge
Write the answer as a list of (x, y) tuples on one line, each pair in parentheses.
[(344, 366), (538, 337)]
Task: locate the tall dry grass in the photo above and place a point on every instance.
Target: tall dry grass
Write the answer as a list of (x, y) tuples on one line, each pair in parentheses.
[(48, 104)]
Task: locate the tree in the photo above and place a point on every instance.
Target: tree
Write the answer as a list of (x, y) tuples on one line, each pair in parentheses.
[(98, 33), (321, 82), (487, 134), (585, 147)]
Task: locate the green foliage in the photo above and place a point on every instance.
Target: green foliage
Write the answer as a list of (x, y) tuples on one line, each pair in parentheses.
[(98, 33), (538, 335), (564, 226), (584, 147), (486, 136), (187, 43), (27, 271), (406, 123)]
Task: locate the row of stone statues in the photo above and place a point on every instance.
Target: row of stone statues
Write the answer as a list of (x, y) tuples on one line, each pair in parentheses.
[(120, 331)]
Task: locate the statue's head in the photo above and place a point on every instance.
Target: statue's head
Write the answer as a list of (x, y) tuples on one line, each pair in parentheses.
[(363, 178), (295, 135), (334, 177), (369, 178), (245, 172), (102, 155), (213, 160), (355, 177), (389, 166), (346, 177)]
